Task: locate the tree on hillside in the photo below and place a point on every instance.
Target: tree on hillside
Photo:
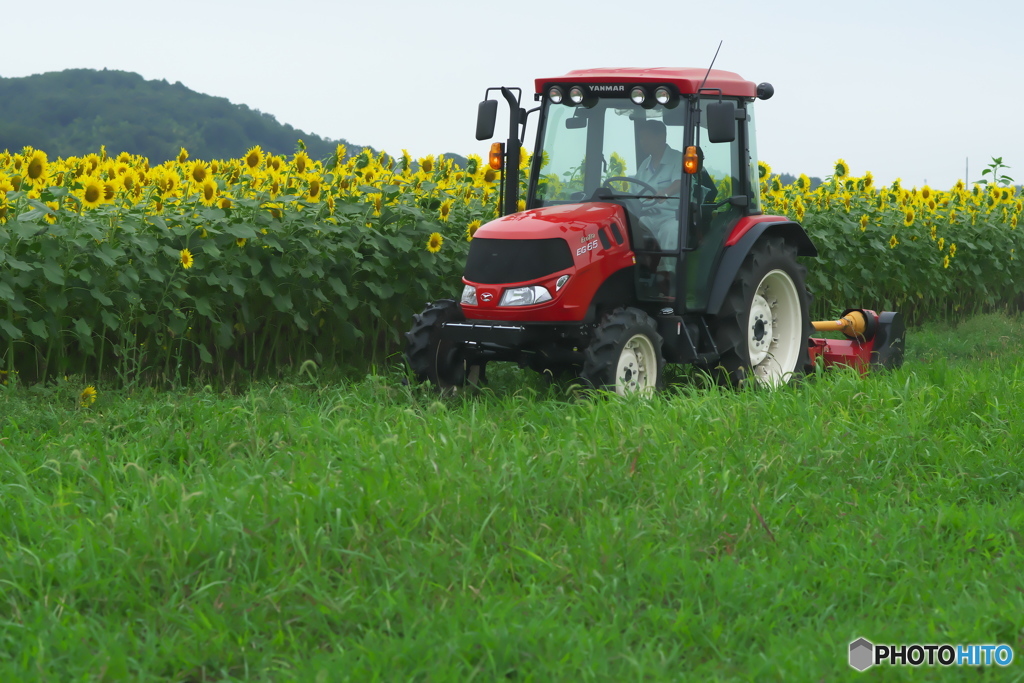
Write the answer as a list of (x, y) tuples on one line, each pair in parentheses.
[(74, 112)]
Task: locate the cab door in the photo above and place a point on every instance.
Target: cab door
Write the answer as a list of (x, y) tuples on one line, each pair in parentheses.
[(721, 194)]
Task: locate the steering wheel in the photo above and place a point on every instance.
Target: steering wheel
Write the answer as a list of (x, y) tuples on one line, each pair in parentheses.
[(645, 202)]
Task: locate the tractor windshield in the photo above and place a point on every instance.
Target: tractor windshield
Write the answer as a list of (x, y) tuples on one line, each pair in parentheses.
[(633, 152)]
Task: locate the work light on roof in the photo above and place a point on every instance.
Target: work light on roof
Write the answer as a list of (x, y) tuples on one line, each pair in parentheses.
[(663, 95), (638, 95), (576, 94), (556, 95)]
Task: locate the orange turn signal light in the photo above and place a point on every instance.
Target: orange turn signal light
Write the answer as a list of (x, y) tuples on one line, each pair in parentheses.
[(691, 162), (497, 155)]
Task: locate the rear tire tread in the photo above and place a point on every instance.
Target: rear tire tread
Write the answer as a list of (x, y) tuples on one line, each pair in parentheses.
[(733, 367)]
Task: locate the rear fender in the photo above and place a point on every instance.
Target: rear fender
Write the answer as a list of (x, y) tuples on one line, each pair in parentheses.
[(733, 256)]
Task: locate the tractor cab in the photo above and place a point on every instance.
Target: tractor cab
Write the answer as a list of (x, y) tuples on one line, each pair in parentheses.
[(642, 242), (642, 141)]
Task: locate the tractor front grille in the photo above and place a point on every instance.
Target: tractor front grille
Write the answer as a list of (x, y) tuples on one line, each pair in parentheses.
[(496, 261)]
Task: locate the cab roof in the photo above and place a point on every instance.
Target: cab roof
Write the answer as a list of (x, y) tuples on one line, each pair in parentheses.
[(687, 80)]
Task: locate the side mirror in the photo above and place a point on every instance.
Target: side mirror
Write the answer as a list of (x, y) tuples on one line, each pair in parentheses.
[(722, 121), (486, 115)]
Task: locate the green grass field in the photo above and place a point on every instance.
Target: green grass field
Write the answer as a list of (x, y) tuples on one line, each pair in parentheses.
[(315, 530)]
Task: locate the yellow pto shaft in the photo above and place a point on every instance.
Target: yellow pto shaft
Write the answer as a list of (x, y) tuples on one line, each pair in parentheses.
[(853, 324)]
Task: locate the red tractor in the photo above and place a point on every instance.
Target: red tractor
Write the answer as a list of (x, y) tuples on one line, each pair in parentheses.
[(642, 242)]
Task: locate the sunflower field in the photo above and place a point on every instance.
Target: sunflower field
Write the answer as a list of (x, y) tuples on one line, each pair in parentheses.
[(931, 254), (229, 268), (111, 266)]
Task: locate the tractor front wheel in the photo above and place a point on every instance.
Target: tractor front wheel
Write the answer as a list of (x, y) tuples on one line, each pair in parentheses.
[(763, 327), (441, 361), (624, 355)]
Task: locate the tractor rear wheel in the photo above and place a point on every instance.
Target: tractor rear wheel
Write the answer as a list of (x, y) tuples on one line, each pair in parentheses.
[(763, 327), (432, 358), (624, 355)]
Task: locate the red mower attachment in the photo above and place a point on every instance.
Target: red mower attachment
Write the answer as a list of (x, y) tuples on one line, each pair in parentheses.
[(872, 341)]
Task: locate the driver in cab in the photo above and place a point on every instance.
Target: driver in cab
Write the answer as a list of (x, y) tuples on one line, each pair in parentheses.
[(662, 169)]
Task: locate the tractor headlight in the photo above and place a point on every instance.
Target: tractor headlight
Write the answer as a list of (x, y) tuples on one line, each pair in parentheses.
[(576, 94), (665, 96), (638, 95), (525, 296), (556, 95), (469, 295)]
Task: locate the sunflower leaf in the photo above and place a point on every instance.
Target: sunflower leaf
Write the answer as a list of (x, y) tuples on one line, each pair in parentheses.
[(33, 215), (12, 331), (38, 328), (53, 272), (283, 302)]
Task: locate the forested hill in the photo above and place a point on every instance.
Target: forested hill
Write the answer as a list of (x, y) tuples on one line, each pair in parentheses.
[(73, 112)]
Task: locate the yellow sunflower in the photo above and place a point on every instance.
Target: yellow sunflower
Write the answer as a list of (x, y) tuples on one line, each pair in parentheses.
[(35, 170), (945, 262), (908, 218), (313, 192), (199, 171), (842, 169), (434, 242), (446, 209), (471, 230), (254, 157), (763, 170), (87, 397), (301, 162), (893, 242), (208, 192), (168, 182), (186, 258), (864, 222), (182, 156), (92, 192)]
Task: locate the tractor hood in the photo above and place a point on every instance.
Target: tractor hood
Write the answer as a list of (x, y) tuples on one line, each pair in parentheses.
[(575, 223), (565, 253)]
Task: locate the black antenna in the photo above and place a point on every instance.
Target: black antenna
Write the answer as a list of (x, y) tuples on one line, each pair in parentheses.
[(709, 67)]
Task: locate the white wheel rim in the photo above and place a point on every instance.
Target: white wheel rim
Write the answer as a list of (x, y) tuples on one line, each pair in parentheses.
[(637, 369), (773, 329)]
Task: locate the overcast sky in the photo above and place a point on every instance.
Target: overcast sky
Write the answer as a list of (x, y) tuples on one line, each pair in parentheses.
[(902, 89)]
